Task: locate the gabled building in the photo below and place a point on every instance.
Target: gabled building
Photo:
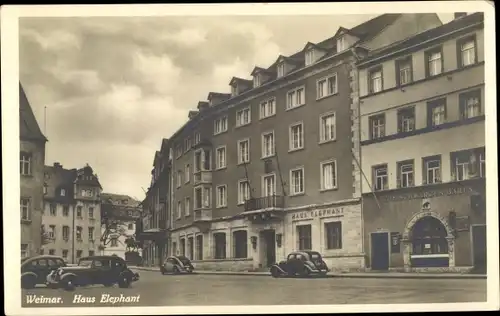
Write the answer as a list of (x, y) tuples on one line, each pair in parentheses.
[(31, 161)]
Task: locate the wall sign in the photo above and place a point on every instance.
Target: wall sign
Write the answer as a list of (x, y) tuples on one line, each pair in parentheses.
[(318, 213), (427, 194), (395, 242), (462, 223)]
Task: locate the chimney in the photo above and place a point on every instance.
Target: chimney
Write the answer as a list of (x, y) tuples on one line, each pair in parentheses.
[(57, 165), (192, 114), (202, 105), (458, 15)]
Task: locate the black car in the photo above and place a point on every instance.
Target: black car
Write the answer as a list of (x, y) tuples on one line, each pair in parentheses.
[(34, 270), (105, 270), (176, 265), (300, 263)]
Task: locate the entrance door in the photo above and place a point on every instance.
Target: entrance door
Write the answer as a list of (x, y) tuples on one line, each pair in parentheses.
[(269, 239), (479, 247), (380, 251)]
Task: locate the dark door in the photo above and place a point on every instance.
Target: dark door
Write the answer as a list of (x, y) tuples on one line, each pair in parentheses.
[(479, 247), (270, 238), (380, 251)]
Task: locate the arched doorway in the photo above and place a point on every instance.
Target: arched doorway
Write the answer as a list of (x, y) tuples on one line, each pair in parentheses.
[(429, 243)]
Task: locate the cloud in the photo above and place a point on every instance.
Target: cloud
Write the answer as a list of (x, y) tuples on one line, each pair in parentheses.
[(157, 71)]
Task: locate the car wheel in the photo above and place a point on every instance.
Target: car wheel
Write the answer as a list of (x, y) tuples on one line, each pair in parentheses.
[(124, 282), (176, 270), (274, 272), (68, 283), (28, 282), (306, 272)]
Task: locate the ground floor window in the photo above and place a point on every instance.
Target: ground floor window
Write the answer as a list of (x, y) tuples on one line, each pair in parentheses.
[(428, 237), (240, 244), (333, 235), (304, 237), (79, 254), (52, 252), (199, 247), (220, 245), (24, 250), (183, 246), (191, 248), (174, 248)]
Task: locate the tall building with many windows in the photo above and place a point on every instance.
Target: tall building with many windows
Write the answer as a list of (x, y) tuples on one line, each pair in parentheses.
[(423, 149), (72, 212), (31, 161), (272, 167)]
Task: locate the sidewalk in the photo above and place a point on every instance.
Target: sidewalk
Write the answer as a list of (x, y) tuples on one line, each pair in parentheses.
[(373, 275)]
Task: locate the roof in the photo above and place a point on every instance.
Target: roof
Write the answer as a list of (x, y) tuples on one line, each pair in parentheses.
[(28, 126), (237, 79), (119, 199), (56, 179), (86, 176), (29, 259)]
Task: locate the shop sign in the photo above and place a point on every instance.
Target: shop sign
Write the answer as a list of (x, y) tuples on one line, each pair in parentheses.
[(427, 194), (318, 213)]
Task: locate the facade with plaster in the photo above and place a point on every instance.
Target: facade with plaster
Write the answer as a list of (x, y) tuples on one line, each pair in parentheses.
[(422, 116)]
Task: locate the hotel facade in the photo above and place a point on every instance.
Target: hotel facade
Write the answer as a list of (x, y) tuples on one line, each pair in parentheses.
[(274, 166), (422, 116)]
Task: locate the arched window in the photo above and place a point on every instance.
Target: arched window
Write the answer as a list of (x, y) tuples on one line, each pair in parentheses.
[(428, 237)]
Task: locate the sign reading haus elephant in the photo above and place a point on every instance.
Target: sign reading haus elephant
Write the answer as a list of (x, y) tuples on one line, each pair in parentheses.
[(318, 213)]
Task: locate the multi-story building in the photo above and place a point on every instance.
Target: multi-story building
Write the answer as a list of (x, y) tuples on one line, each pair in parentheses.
[(32, 160), (423, 149), (119, 214), (153, 228), (242, 198), (72, 213)]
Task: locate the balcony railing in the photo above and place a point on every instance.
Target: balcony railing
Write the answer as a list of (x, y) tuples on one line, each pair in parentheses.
[(203, 215), (202, 177), (271, 201)]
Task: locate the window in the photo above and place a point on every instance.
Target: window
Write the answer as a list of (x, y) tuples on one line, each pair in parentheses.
[(280, 69), (256, 81), (243, 191), (79, 230), (243, 117), (220, 125), (296, 139), (79, 211), (269, 185), (52, 232), (295, 98), (297, 181), (333, 235), (202, 197), (267, 144), (65, 233), (434, 62), (466, 51), (52, 252), (432, 169), (436, 112), (197, 138), (326, 86), (25, 209), (187, 173), (377, 126), (179, 178), (87, 193), (65, 254), (190, 247), (202, 160), (199, 247), (207, 192), (380, 178), (220, 159), (404, 72), (309, 58), (221, 196), (24, 251), (130, 226), (375, 80), (91, 212), (114, 242), (405, 174), (178, 151), (91, 253), (187, 144), (25, 164), (243, 151), (187, 206), (468, 164), (65, 210), (327, 130), (267, 108), (482, 163), (328, 175), (220, 245), (63, 192), (91, 233), (406, 120), (304, 237), (53, 210), (174, 248), (240, 244), (428, 237), (79, 254), (341, 44), (470, 104), (179, 209)]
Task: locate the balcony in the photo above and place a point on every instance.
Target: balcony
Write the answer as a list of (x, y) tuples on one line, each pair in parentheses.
[(266, 202), (203, 214), (202, 177)]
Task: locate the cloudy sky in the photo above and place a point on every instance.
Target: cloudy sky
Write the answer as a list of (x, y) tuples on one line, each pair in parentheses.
[(114, 87)]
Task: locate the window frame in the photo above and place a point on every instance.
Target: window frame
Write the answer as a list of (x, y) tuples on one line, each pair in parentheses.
[(187, 206), (400, 174), (263, 135), (382, 127), (425, 170), (239, 142), (301, 140), (187, 173), (23, 164), (464, 97), (401, 114), (218, 203), (427, 54), (434, 104), (323, 188), (332, 243), (309, 55), (280, 70), (264, 186), (399, 62), (322, 139), (460, 42), (179, 209), (240, 201), (219, 120), (238, 123), (266, 103), (303, 179), (300, 237), (371, 86), (218, 166), (375, 177), (293, 91), (326, 81)]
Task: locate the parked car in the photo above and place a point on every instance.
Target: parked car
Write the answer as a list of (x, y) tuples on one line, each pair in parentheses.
[(300, 263), (176, 265), (34, 270), (105, 270)]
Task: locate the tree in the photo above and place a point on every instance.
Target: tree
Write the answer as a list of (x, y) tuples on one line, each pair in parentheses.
[(114, 229)]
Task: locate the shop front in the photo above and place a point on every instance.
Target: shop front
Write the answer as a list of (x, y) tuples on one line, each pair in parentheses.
[(441, 227)]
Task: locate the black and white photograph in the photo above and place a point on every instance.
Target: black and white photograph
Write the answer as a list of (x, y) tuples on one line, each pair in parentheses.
[(249, 158)]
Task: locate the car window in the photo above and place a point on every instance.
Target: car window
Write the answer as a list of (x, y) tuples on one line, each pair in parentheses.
[(117, 264), (102, 263), (52, 262), (315, 257), (290, 257), (60, 262), (42, 262), (172, 260), (85, 263)]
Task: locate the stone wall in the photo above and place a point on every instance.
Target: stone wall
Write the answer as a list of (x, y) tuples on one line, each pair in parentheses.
[(237, 265)]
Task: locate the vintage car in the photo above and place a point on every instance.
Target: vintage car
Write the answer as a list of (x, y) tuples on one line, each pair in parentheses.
[(300, 263), (34, 270), (105, 270), (176, 265)]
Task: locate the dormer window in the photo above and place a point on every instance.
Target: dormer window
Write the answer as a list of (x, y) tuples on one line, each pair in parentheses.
[(281, 70), (309, 57), (256, 80), (234, 90), (341, 44), (63, 192)]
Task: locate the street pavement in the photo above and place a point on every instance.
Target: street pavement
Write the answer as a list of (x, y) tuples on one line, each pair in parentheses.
[(154, 289)]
